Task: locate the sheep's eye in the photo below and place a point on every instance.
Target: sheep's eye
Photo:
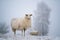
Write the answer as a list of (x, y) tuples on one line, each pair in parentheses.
[(26, 15), (31, 15)]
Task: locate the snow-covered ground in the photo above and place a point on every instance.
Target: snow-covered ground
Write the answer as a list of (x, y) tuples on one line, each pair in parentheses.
[(20, 37), (23, 38)]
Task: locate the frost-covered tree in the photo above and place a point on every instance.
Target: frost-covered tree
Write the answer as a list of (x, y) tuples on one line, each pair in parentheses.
[(41, 18), (3, 28)]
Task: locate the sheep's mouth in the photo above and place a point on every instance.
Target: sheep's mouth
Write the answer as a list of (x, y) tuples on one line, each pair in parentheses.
[(28, 18)]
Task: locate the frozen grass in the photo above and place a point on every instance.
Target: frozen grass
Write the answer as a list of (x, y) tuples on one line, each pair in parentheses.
[(20, 37)]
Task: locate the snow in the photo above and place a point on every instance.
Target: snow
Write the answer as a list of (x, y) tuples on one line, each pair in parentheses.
[(20, 37)]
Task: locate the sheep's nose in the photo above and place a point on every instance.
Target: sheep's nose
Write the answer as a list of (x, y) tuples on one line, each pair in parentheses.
[(28, 18)]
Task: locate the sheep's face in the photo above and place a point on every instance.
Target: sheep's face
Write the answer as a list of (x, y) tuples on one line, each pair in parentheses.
[(28, 16)]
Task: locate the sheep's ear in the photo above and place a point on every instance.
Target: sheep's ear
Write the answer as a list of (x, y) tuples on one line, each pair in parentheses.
[(26, 14), (30, 14)]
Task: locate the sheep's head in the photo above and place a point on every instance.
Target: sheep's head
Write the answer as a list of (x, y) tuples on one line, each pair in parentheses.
[(28, 16)]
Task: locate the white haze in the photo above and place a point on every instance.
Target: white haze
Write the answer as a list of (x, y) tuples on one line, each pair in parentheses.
[(17, 8)]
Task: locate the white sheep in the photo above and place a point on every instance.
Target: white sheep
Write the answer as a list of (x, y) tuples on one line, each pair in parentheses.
[(21, 24)]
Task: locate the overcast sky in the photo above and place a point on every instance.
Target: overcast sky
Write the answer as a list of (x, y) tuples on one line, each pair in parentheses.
[(17, 8)]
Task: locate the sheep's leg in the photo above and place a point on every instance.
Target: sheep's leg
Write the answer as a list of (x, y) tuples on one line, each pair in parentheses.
[(24, 31), (14, 30)]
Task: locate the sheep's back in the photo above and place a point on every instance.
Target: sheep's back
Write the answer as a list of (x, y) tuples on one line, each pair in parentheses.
[(14, 23)]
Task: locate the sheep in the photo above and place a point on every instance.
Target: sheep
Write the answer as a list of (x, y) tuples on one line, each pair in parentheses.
[(21, 23)]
